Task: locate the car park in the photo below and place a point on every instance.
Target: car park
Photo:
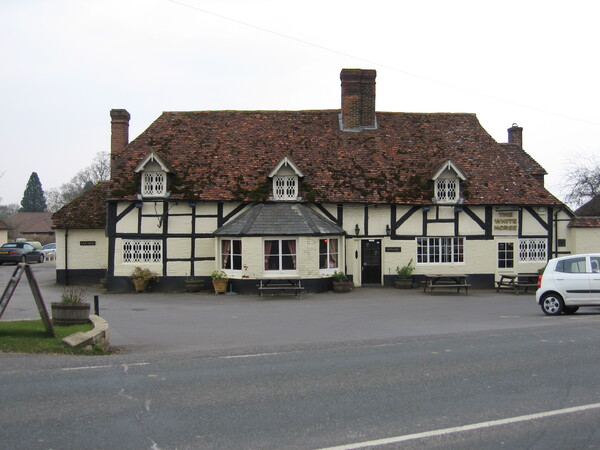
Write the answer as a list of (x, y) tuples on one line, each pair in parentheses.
[(20, 252), (568, 283)]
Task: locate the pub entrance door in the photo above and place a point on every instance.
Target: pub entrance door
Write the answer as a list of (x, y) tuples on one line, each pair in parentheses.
[(371, 261)]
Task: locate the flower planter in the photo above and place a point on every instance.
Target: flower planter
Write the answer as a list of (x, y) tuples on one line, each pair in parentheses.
[(70, 314), (403, 283), (342, 286), (194, 285), (140, 284), (220, 286)]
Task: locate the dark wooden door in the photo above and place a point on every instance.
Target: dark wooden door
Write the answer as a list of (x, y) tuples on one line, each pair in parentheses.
[(371, 261)]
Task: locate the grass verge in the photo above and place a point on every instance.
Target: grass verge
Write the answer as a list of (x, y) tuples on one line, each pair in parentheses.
[(29, 336)]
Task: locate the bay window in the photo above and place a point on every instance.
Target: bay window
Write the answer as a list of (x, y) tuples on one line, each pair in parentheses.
[(280, 255), (328, 254), (231, 254)]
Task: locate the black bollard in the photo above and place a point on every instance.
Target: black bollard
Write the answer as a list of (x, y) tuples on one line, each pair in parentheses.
[(96, 305)]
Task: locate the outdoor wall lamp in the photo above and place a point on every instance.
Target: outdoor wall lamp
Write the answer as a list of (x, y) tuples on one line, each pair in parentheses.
[(357, 230), (138, 204), (388, 230), (426, 208)]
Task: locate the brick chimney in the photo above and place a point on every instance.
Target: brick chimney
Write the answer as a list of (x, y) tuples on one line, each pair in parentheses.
[(515, 135), (358, 99), (119, 134)]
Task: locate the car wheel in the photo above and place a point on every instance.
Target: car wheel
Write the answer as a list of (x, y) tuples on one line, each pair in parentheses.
[(571, 309), (552, 304), (41, 260)]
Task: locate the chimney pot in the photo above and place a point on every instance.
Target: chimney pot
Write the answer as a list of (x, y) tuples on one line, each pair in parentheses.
[(515, 135)]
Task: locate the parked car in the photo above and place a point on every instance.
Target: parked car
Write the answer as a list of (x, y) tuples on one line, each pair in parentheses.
[(20, 252), (49, 251), (568, 283)]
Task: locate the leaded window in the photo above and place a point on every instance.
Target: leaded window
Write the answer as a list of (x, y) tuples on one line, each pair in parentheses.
[(142, 251), (447, 190), (285, 187), (154, 184), (533, 250), (506, 255)]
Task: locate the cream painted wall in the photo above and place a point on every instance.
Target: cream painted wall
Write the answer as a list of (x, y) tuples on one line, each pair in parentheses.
[(3, 236), (82, 256), (583, 240)]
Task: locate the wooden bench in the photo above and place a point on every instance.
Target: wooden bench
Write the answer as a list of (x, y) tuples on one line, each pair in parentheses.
[(457, 286), (512, 282), (276, 286)]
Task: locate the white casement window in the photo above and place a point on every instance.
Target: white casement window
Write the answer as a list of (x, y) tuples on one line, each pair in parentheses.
[(328, 254), (280, 255), (440, 250), (142, 251), (447, 190), (533, 250), (285, 187), (231, 254), (506, 255), (154, 184)]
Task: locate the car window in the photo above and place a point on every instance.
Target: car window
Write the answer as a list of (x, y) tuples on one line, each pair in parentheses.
[(571, 265), (27, 247), (10, 245), (595, 263)]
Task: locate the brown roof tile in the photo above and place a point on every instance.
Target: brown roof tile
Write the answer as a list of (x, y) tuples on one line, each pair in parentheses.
[(227, 155), (88, 211)]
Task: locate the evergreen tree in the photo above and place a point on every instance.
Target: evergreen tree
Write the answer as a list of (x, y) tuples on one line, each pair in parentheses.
[(33, 197)]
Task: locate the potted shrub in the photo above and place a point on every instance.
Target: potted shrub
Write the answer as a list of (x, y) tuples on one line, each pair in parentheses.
[(341, 282), (141, 278), (71, 310), (403, 278), (219, 280), (194, 284)]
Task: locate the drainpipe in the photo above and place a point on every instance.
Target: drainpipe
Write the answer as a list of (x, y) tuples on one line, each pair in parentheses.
[(66, 257)]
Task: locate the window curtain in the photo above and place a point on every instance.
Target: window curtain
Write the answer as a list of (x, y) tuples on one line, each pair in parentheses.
[(292, 247), (226, 250), (268, 245), (333, 253)]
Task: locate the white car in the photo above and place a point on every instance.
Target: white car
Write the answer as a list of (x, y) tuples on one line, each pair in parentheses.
[(569, 282), (49, 251)]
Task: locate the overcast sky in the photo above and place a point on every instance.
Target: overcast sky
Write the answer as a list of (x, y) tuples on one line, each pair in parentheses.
[(66, 63)]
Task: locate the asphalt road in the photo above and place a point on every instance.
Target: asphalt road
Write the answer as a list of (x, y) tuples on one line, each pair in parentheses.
[(417, 371)]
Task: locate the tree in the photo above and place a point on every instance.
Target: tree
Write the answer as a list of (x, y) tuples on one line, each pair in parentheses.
[(84, 180), (8, 210), (582, 180), (33, 197)]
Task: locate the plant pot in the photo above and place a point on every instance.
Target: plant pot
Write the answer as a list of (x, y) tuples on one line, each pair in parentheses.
[(140, 284), (220, 286), (342, 286), (403, 283), (70, 314), (194, 285)]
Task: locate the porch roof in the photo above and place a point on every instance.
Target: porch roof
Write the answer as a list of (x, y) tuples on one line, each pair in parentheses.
[(279, 219)]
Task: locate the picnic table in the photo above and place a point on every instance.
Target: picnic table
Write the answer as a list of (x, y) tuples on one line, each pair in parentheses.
[(277, 285), (521, 281), (446, 281)]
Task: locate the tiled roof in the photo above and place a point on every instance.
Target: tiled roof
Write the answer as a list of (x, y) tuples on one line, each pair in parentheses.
[(227, 155), (4, 225), (275, 219), (30, 222), (88, 211), (584, 222), (591, 208)]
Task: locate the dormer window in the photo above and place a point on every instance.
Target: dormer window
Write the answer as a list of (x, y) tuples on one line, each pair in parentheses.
[(154, 184), (285, 187), (153, 174), (446, 183), (286, 178)]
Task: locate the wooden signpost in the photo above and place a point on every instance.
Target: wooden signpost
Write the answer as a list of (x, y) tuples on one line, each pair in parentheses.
[(35, 290)]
